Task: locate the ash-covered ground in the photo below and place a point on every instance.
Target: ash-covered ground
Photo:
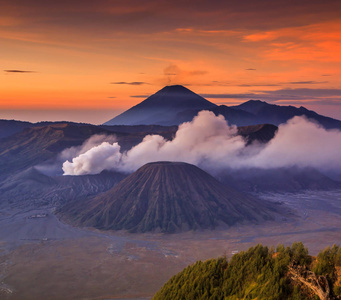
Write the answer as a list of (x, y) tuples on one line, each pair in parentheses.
[(43, 258)]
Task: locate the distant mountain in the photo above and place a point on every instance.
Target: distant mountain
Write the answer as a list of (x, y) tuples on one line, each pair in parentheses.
[(232, 115), (162, 107), (262, 133), (256, 112), (10, 127), (36, 145), (277, 114), (174, 105), (41, 145), (168, 197)]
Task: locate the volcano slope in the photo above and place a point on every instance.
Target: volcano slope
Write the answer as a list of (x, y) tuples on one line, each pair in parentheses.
[(168, 197)]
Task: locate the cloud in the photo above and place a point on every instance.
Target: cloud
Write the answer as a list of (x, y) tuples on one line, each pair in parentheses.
[(298, 143), (306, 82), (305, 92), (318, 41), (232, 96), (19, 71), (94, 160), (251, 85), (250, 69), (193, 143), (177, 75), (318, 96), (130, 83), (162, 15), (73, 152), (210, 143), (139, 96)]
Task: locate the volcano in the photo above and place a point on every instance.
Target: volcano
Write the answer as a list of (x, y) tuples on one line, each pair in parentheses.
[(162, 107), (168, 197)]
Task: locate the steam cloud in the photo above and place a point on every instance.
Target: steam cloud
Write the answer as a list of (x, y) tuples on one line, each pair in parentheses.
[(93, 141), (52, 169), (209, 142)]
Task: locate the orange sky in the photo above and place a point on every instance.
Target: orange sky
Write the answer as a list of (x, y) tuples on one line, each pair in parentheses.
[(83, 61)]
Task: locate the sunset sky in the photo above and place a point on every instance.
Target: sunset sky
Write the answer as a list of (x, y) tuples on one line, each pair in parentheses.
[(87, 61)]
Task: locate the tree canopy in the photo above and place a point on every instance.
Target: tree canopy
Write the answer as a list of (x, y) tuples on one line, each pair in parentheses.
[(258, 273)]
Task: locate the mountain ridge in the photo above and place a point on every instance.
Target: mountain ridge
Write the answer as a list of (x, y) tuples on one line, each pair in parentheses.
[(173, 105)]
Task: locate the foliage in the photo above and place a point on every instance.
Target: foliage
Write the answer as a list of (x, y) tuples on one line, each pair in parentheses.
[(328, 261), (259, 273)]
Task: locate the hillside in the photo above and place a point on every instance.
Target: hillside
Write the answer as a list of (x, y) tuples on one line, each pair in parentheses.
[(260, 273), (32, 188), (168, 197), (37, 145)]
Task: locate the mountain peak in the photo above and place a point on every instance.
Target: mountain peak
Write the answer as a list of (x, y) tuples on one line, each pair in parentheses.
[(175, 89), (161, 108), (168, 197)]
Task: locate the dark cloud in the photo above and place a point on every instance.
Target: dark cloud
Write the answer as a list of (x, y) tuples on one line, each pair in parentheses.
[(305, 92), (19, 71), (130, 83), (250, 69), (306, 82), (251, 85), (112, 97), (102, 17), (139, 96), (320, 96), (227, 96)]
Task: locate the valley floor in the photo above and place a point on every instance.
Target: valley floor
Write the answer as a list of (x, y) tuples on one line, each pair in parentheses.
[(42, 258)]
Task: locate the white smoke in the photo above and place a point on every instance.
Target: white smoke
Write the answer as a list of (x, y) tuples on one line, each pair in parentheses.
[(54, 168), (94, 160), (300, 142), (93, 141), (209, 142)]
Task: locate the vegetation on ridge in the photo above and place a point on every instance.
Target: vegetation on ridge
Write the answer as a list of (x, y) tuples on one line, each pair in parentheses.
[(260, 273)]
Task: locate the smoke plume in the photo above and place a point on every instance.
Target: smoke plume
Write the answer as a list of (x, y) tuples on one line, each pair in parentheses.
[(54, 168), (209, 142)]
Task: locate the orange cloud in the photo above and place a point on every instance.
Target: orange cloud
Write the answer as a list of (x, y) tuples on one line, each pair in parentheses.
[(257, 37), (317, 42)]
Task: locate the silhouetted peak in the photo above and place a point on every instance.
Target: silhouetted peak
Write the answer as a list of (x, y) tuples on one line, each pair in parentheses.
[(255, 102), (174, 89), (252, 106), (303, 108)]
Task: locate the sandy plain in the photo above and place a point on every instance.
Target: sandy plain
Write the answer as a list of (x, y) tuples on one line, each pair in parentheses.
[(42, 258)]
